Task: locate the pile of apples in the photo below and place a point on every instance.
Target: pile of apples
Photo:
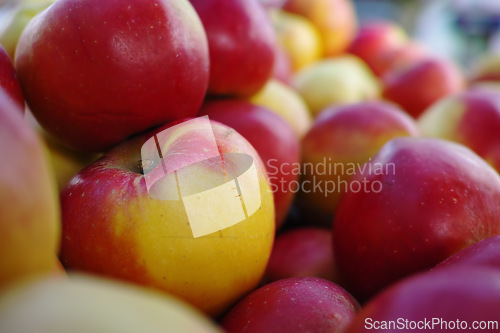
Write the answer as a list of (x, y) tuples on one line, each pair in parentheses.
[(375, 171)]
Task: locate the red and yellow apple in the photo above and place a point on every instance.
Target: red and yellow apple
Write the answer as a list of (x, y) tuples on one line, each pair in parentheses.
[(82, 303), (471, 118), (241, 42), (418, 86), (342, 80), (29, 217), (290, 305), (417, 202), (335, 20), (274, 140), (120, 219), (374, 40), (96, 72), (287, 103), (341, 139)]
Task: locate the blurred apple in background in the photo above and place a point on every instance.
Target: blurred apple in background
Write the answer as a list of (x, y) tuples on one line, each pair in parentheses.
[(342, 139), (449, 300), (282, 70), (290, 305), (286, 102), (83, 303), (298, 37), (427, 199), (335, 20), (112, 225), (302, 252), (418, 86), (92, 78), (342, 80), (8, 80), (241, 43), (274, 140), (16, 19), (374, 40), (471, 118), (485, 68), (29, 217)]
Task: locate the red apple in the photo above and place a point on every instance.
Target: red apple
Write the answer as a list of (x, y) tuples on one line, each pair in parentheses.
[(29, 212), (293, 305), (471, 118), (96, 72), (448, 300), (274, 140), (8, 79), (417, 87), (82, 303), (196, 227), (341, 139), (482, 253), (241, 42), (374, 40), (414, 204), (302, 252)]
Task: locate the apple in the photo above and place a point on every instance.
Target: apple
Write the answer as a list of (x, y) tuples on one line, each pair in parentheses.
[(16, 19), (485, 68), (342, 80), (374, 40), (8, 79), (418, 86), (282, 70), (82, 303), (302, 252), (96, 72), (396, 59), (299, 37), (471, 118), (417, 202), (29, 217), (241, 42), (291, 305), (334, 19), (342, 139), (274, 140), (123, 216), (483, 253), (287, 103), (448, 300)]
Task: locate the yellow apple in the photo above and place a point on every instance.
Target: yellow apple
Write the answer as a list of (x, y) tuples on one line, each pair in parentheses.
[(341, 80), (84, 304), (287, 103), (299, 38)]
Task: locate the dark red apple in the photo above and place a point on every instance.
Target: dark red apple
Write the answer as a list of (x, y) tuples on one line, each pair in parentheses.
[(417, 202), (8, 79), (483, 253), (448, 300), (302, 252), (293, 305), (95, 72), (418, 86), (274, 140), (241, 42)]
